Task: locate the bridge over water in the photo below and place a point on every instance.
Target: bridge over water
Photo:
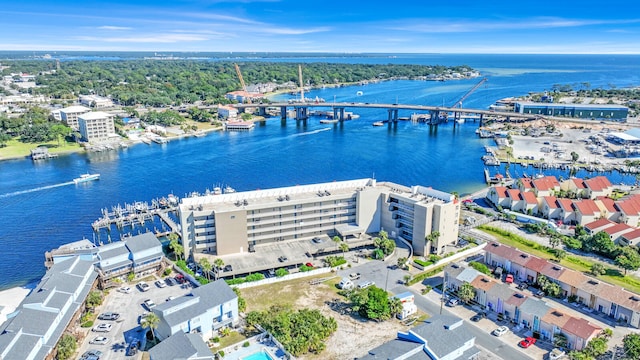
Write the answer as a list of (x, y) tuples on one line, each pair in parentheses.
[(436, 114)]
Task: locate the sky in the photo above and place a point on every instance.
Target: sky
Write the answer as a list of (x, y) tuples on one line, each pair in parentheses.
[(393, 26)]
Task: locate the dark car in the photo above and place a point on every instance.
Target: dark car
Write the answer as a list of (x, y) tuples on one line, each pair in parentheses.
[(228, 268), (133, 348), (282, 258), (171, 281), (477, 317)]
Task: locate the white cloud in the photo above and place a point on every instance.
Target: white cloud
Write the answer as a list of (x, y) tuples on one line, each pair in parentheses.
[(115, 28), (161, 38)]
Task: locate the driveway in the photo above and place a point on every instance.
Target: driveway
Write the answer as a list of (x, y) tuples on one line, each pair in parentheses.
[(127, 328)]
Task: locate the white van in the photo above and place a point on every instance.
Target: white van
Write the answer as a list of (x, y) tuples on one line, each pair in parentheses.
[(345, 284)]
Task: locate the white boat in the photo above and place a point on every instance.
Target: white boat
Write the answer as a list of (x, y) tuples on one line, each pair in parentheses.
[(86, 177), (378, 123), (359, 93)]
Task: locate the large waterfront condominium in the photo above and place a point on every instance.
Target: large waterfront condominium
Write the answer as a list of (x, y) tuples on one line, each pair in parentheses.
[(239, 222), (96, 126)]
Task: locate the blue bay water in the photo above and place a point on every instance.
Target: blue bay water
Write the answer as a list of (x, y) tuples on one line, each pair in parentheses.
[(39, 210)]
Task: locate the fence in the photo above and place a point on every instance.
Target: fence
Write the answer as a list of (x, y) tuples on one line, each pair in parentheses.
[(272, 280)]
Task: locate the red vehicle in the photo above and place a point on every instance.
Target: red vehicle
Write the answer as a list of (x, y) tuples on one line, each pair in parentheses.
[(180, 278), (509, 279), (528, 341), (309, 264)]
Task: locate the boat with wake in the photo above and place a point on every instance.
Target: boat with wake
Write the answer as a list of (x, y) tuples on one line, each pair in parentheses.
[(86, 178)]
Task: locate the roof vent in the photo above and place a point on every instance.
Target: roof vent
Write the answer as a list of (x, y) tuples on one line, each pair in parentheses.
[(524, 256), (495, 245), (593, 282), (635, 298), (518, 295), (557, 268), (455, 266), (485, 280)]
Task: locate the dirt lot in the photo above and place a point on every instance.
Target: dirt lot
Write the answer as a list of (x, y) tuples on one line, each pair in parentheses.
[(354, 337)]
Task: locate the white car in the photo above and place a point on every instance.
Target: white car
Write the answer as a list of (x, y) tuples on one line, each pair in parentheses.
[(170, 298), (104, 327), (149, 304), (143, 286), (99, 340), (161, 284), (125, 290), (365, 284), (453, 302), (500, 331), (557, 354)]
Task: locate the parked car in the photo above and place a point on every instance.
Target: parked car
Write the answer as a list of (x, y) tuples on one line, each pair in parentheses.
[(171, 297), (477, 317), (501, 330), (365, 284), (509, 279), (345, 284), (104, 327), (453, 302), (143, 286), (354, 276), (109, 316), (99, 340), (171, 281), (133, 348), (125, 290), (228, 268), (317, 240), (308, 265), (523, 286), (149, 304), (556, 354), (282, 258), (180, 279), (91, 354), (161, 284), (539, 294), (528, 341)]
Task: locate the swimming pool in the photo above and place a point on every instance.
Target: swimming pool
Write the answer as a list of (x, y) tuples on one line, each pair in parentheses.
[(260, 355)]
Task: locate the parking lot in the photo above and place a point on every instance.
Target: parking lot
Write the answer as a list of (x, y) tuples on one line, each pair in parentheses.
[(127, 328)]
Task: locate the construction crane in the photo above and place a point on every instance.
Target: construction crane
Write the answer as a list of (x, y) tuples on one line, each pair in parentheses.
[(301, 84), (244, 86), (465, 96)]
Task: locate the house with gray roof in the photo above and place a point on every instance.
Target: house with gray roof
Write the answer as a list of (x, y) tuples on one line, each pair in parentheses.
[(34, 329), (181, 346), (440, 337), (141, 254), (204, 311)]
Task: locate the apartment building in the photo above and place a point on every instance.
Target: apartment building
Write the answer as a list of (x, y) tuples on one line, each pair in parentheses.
[(70, 115), (243, 221), (96, 126)]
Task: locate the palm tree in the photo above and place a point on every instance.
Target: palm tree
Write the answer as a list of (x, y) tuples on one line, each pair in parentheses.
[(344, 247), (175, 246), (336, 239), (151, 322), (395, 306), (466, 292), (206, 267), (218, 263)]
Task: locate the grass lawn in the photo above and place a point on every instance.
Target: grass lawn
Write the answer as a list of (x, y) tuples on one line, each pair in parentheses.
[(17, 149), (285, 292), (233, 338), (572, 261)]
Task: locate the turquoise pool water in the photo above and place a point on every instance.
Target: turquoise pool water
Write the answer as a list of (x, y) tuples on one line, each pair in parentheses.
[(261, 355)]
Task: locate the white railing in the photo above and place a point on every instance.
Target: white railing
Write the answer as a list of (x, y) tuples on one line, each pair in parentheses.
[(272, 280)]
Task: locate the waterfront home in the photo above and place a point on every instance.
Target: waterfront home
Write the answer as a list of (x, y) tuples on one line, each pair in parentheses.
[(610, 300), (227, 112), (34, 329), (629, 210), (567, 211), (439, 337), (181, 346), (586, 211), (607, 208), (497, 195), (575, 185), (598, 186), (204, 311), (549, 208), (96, 126), (595, 227), (545, 186)]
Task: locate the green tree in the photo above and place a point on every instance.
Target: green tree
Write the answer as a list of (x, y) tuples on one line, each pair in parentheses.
[(631, 345), (242, 303), (175, 246), (559, 254), (206, 267), (554, 241), (93, 299), (4, 137), (628, 259), (281, 272), (66, 347), (336, 239), (219, 264), (402, 262), (560, 340), (596, 347), (552, 289), (60, 130), (372, 303), (574, 156), (151, 322), (466, 292), (597, 269), (344, 247)]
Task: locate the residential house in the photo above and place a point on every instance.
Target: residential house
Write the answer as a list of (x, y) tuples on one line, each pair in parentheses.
[(529, 202), (242, 96), (579, 332), (595, 227), (549, 208), (629, 210), (630, 238), (204, 311), (525, 184), (515, 201), (34, 329), (574, 185), (607, 208), (545, 186), (181, 346), (227, 112), (497, 195), (567, 211), (586, 211), (439, 337), (616, 231), (598, 186), (482, 284)]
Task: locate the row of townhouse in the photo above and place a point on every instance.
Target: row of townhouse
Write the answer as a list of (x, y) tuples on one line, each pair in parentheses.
[(527, 312), (612, 301), (620, 234), (537, 196)]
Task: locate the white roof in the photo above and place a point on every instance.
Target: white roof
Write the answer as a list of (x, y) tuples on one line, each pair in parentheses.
[(95, 115), (624, 136), (75, 109)]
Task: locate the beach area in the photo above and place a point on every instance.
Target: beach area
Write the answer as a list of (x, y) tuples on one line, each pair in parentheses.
[(11, 298)]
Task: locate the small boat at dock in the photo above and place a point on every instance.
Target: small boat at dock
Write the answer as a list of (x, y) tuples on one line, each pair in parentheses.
[(378, 123), (86, 177)]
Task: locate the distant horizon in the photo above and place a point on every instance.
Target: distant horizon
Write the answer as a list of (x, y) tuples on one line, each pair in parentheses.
[(461, 27), (170, 52)]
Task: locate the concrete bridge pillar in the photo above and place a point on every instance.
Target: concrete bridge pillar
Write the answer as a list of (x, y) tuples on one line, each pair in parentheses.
[(434, 117), (338, 113), (283, 112), (393, 115), (241, 110), (301, 113), (262, 111)]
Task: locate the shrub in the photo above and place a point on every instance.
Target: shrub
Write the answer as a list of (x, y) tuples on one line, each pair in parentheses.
[(220, 354), (202, 280), (216, 339), (426, 290), (422, 262), (434, 258), (87, 324), (418, 278), (167, 271), (480, 267), (246, 344), (305, 268), (281, 272)]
